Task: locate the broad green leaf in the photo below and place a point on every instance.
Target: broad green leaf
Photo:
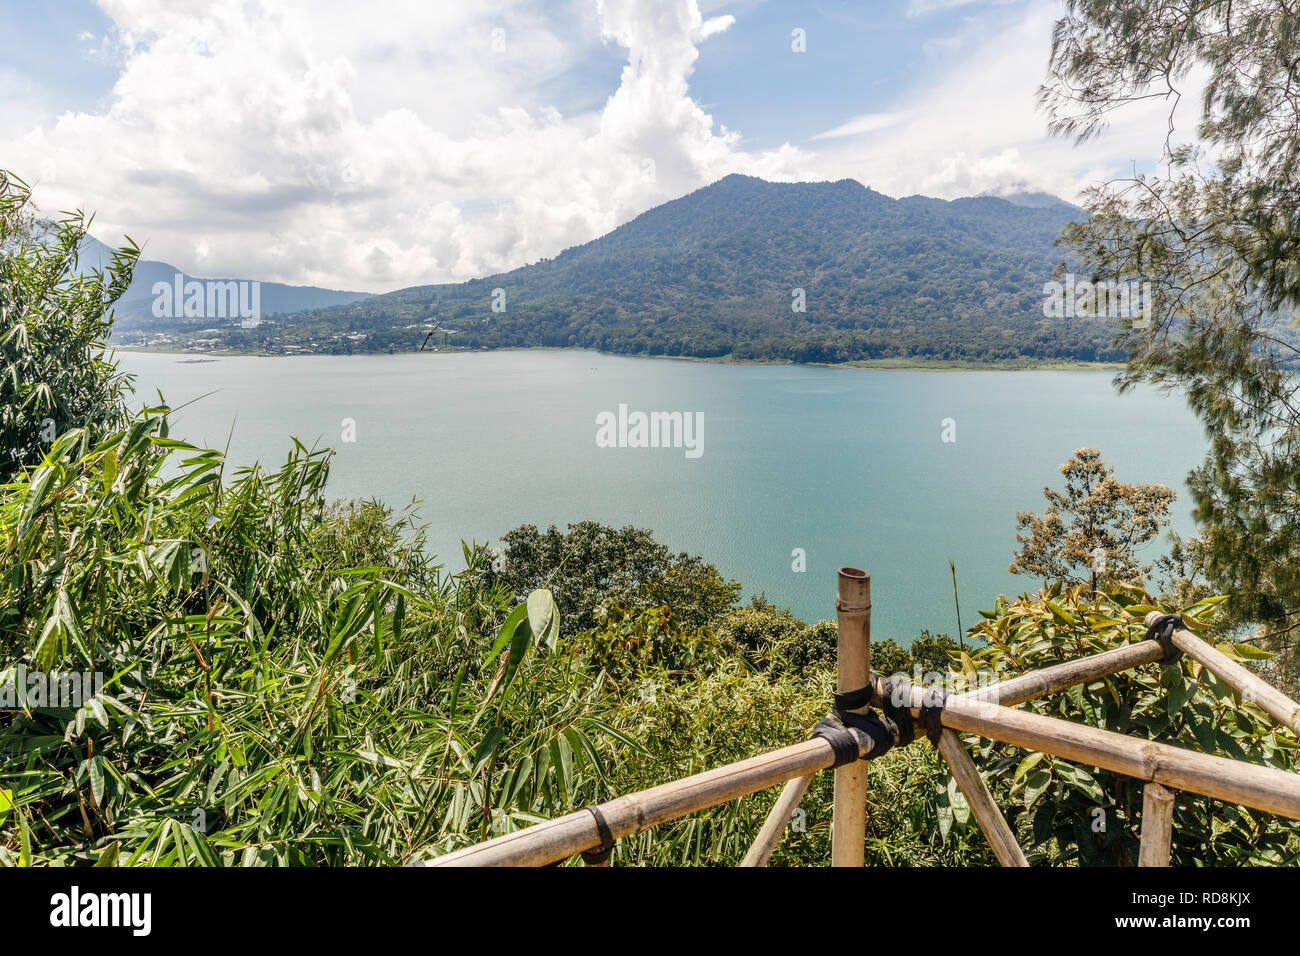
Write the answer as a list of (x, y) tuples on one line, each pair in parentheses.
[(1026, 765), (543, 617), (1035, 785)]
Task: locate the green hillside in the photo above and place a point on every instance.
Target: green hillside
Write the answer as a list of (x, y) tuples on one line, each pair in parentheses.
[(714, 273)]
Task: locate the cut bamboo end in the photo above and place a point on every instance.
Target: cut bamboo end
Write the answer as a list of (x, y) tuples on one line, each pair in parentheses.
[(853, 670)]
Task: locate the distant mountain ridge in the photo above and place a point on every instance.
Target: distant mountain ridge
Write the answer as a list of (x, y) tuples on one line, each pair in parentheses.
[(1036, 200), (750, 269), (135, 309)]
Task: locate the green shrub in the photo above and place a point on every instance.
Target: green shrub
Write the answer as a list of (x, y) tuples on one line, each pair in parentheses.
[(650, 643), (772, 638), (54, 325), (593, 563), (927, 654), (1072, 814)]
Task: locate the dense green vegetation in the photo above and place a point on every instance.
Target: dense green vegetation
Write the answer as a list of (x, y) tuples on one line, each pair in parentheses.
[(591, 562), (53, 323), (713, 274)]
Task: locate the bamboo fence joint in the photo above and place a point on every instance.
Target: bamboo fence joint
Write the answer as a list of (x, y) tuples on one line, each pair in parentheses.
[(1252, 688)]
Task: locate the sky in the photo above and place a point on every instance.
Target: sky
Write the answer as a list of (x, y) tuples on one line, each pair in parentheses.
[(373, 146)]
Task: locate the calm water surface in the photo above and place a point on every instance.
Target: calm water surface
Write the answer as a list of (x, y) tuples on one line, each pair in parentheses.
[(848, 465)]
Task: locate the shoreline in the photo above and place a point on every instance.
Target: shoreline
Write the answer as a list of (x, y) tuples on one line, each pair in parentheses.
[(881, 365)]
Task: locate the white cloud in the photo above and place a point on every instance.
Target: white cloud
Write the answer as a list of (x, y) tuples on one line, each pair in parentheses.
[(975, 127), (866, 123), (300, 142)]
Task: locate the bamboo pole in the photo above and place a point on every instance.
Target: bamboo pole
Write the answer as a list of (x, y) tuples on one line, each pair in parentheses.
[(1252, 687), (1049, 680), (853, 670), (1264, 788), (982, 805), (1157, 825), (564, 836), (760, 851)]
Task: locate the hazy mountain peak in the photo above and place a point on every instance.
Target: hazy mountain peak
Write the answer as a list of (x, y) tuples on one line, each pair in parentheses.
[(135, 308), (1032, 200)]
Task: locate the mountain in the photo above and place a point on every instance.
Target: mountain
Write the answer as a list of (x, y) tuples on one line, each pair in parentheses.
[(724, 271), (135, 309), (1033, 200)]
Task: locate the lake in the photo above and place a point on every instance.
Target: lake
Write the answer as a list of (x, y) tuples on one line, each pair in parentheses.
[(849, 465)]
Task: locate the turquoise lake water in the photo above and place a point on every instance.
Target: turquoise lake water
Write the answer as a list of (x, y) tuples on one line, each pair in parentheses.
[(849, 465)]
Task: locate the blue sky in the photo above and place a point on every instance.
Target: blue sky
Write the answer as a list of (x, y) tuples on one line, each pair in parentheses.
[(863, 53), (860, 58), (302, 141)]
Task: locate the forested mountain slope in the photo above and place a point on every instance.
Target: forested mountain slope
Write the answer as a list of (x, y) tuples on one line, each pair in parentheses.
[(724, 270)]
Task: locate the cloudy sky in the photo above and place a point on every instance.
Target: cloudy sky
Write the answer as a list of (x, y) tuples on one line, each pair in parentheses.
[(371, 146)]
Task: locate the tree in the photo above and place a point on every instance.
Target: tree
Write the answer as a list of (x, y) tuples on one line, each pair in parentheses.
[(1096, 523), (54, 326), (772, 639), (593, 563), (1218, 236)]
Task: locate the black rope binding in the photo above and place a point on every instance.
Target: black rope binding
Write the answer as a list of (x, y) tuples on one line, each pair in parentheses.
[(854, 706), (896, 704), (933, 701), (842, 740), (853, 710), (601, 853), (1162, 632), (894, 726)]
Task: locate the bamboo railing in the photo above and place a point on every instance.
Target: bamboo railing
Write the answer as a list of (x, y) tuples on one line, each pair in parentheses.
[(986, 712)]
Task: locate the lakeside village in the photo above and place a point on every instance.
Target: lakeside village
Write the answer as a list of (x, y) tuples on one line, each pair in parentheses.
[(213, 315), (236, 337)]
